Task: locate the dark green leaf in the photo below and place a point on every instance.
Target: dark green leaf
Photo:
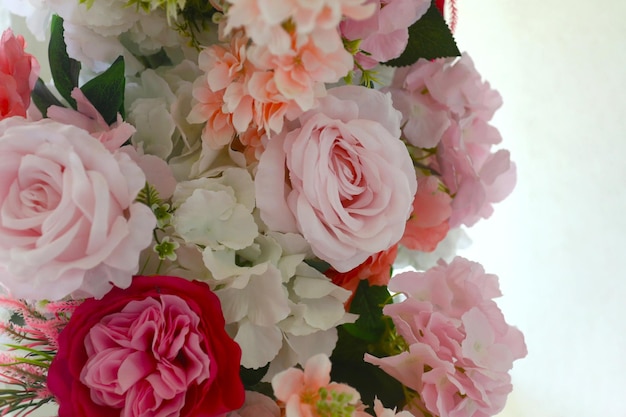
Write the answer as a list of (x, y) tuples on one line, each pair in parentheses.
[(318, 264), (106, 91), (64, 69), (429, 38), (43, 98), (369, 380), (368, 303), (252, 377)]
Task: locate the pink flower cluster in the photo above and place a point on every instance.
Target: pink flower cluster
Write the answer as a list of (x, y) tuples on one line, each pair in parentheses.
[(18, 74), (460, 349), (445, 105), (384, 35)]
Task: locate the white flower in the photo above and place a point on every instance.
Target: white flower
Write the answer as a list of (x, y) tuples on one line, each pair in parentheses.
[(216, 212)]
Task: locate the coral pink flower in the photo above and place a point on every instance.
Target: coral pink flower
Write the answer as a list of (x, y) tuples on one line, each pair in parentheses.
[(376, 270), (18, 74), (88, 118), (460, 349), (209, 108), (302, 391), (341, 177), (300, 72), (158, 348), (428, 224)]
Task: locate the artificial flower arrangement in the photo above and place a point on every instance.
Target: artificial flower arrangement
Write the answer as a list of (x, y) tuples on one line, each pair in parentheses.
[(201, 212)]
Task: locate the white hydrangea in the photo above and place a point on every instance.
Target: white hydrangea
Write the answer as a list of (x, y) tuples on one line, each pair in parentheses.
[(158, 103), (271, 299), (98, 34), (36, 13), (216, 212)]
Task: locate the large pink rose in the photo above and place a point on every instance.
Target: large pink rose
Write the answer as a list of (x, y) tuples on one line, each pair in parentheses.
[(341, 177), (18, 74), (68, 220), (157, 348)]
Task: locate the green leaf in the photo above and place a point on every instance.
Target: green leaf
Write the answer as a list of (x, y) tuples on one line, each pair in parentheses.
[(368, 303), (318, 264), (106, 91), (64, 69), (429, 38), (43, 98), (252, 377), (369, 380)]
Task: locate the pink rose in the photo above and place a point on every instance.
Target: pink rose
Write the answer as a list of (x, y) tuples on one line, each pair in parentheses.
[(68, 220), (341, 177), (18, 74), (460, 348), (157, 348)]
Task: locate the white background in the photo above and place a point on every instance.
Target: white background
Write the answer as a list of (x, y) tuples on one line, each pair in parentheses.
[(558, 243)]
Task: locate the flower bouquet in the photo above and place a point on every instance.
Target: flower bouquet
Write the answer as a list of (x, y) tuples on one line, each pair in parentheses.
[(201, 211)]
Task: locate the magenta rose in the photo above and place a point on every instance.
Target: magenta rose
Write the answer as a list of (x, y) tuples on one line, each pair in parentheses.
[(341, 177), (157, 348), (69, 223)]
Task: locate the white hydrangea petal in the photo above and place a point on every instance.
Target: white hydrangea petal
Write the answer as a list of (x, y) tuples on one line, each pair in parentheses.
[(259, 344)]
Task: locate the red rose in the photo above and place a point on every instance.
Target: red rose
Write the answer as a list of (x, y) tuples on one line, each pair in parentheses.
[(157, 348)]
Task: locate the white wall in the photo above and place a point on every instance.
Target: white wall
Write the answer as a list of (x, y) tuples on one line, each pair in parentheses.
[(558, 242)]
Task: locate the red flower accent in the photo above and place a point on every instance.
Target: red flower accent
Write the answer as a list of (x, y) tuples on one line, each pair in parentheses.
[(376, 270), (157, 348)]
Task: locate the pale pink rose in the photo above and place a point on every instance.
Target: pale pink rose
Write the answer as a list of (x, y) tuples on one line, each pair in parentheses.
[(300, 390), (385, 34), (88, 118), (460, 348), (341, 177), (18, 74), (69, 222)]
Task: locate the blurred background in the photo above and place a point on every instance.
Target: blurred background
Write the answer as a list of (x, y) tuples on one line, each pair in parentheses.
[(558, 242)]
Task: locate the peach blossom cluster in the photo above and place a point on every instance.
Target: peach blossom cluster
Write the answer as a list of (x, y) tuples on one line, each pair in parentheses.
[(275, 62)]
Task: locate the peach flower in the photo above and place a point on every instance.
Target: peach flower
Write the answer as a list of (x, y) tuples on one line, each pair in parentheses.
[(303, 392)]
